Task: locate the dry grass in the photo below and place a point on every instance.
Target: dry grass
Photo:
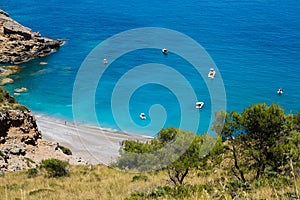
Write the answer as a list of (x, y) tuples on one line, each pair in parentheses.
[(84, 182), (101, 182)]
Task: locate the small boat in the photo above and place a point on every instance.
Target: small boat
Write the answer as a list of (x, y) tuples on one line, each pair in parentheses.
[(105, 61), (199, 104), (280, 91), (142, 116), (211, 73), (165, 51)]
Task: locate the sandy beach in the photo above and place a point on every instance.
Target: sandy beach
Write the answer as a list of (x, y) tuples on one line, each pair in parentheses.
[(95, 145)]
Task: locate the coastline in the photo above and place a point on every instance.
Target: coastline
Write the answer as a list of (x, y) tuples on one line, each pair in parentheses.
[(94, 144)]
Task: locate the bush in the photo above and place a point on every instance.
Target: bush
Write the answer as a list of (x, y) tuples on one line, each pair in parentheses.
[(33, 172), (55, 167), (274, 180), (21, 108), (140, 177), (65, 150), (177, 192)]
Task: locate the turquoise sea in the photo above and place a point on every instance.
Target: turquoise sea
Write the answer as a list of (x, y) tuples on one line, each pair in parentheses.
[(254, 44)]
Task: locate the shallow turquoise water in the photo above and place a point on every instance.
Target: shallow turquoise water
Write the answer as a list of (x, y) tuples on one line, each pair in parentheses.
[(254, 44)]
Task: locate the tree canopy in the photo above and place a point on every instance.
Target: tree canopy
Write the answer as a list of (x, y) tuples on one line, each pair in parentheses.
[(175, 150), (261, 138)]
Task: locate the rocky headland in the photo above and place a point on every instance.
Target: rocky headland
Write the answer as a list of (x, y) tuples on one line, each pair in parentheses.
[(21, 143), (20, 44)]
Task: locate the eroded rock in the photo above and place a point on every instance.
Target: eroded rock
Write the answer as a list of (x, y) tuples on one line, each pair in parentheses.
[(20, 44), (6, 81), (21, 144), (19, 90)]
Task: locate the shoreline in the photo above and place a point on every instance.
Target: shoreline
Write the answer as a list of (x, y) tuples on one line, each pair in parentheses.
[(95, 145)]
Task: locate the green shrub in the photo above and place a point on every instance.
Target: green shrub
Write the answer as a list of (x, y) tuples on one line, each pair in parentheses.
[(55, 167), (33, 192), (13, 186), (177, 192), (11, 99), (140, 177), (274, 180), (8, 101), (65, 150), (33, 172), (21, 108)]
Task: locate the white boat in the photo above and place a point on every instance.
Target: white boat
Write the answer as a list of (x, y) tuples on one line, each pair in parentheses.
[(105, 61), (280, 91), (142, 116), (165, 51), (211, 73), (199, 104)]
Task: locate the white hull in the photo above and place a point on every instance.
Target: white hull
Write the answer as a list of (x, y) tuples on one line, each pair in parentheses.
[(199, 105), (165, 51), (142, 116), (211, 74)]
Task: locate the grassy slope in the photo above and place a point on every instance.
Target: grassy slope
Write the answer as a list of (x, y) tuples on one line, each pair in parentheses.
[(101, 182), (8, 102), (84, 182)]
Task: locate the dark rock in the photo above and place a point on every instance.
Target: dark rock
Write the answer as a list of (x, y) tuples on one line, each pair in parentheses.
[(11, 27), (15, 150), (3, 13)]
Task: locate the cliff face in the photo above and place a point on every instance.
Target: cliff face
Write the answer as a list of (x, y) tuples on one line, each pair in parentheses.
[(17, 130), (19, 44), (18, 126), (21, 144)]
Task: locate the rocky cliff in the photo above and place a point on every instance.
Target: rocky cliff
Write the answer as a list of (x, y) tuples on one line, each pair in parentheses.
[(21, 143), (19, 44)]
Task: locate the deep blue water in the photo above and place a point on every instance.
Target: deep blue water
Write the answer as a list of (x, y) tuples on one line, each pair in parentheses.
[(255, 45)]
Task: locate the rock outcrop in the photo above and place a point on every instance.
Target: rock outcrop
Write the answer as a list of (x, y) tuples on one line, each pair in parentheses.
[(6, 71), (20, 44), (21, 144)]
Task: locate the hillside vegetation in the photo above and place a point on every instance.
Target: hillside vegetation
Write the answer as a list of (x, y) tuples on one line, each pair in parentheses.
[(102, 182), (8, 102), (255, 156)]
